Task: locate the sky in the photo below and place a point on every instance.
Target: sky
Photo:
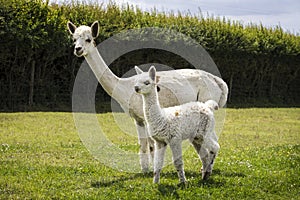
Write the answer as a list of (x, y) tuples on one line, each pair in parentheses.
[(270, 13)]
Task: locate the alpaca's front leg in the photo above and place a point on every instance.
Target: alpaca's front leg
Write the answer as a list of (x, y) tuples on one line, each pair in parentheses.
[(151, 147), (144, 146), (159, 154), (176, 148)]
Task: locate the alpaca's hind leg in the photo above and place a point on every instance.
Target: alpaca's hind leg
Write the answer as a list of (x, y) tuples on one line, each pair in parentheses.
[(197, 143), (203, 155), (213, 149), (175, 146), (209, 154), (159, 154), (144, 146)]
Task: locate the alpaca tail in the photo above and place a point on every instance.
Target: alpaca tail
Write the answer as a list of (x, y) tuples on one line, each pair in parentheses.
[(212, 105), (224, 88)]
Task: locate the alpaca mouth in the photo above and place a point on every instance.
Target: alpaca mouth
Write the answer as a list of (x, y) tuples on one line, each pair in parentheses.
[(78, 53), (137, 89)]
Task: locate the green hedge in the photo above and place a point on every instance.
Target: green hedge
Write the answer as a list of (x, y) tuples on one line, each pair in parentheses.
[(261, 65)]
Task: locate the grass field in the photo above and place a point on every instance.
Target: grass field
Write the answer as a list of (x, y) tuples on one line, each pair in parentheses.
[(42, 157)]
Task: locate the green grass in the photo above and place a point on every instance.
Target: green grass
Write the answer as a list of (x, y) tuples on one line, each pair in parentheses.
[(42, 157)]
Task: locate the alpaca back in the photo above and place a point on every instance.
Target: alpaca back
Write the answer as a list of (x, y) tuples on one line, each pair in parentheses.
[(188, 120)]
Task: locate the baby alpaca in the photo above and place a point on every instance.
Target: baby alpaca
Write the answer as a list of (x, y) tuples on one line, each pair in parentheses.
[(193, 121)]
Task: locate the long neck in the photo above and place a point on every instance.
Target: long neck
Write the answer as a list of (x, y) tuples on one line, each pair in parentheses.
[(152, 109), (105, 76)]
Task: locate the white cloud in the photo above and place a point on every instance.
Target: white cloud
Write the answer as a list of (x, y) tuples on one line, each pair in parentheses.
[(268, 12), (288, 21)]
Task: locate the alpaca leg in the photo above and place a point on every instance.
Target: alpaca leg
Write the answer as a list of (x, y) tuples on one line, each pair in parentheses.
[(177, 159), (204, 155), (197, 143), (209, 155), (151, 147), (159, 154), (213, 149), (143, 142)]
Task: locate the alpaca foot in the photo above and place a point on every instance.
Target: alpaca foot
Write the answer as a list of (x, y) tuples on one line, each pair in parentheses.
[(205, 175), (156, 177), (182, 180), (183, 184), (145, 170)]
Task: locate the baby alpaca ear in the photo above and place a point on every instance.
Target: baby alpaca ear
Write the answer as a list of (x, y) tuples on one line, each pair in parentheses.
[(71, 27), (138, 70), (95, 29), (152, 73)]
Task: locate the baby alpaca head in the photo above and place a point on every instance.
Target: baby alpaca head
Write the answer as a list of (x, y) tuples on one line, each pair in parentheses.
[(145, 83)]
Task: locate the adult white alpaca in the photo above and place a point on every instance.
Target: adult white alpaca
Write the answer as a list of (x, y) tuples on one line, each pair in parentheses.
[(193, 121), (201, 85)]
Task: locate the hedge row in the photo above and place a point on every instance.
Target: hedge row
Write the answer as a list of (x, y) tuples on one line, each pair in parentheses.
[(261, 65)]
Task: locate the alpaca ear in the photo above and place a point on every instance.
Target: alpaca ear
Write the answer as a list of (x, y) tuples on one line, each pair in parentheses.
[(138, 70), (71, 27), (152, 73), (95, 29)]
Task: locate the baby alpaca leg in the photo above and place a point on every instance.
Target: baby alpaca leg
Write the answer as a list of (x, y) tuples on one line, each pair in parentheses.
[(209, 154), (159, 154), (197, 143), (151, 147), (177, 159), (204, 155), (213, 149)]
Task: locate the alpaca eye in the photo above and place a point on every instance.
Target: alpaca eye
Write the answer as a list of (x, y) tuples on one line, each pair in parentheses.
[(147, 82), (88, 40)]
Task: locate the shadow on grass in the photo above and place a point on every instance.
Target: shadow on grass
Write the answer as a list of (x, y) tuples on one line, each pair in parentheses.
[(228, 174), (170, 189), (107, 182)]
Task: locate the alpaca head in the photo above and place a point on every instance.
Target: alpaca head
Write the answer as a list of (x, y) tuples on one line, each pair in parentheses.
[(145, 83), (84, 37)]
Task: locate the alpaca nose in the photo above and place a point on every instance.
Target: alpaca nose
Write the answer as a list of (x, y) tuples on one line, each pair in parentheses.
[(136, 88), (78, 48)]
